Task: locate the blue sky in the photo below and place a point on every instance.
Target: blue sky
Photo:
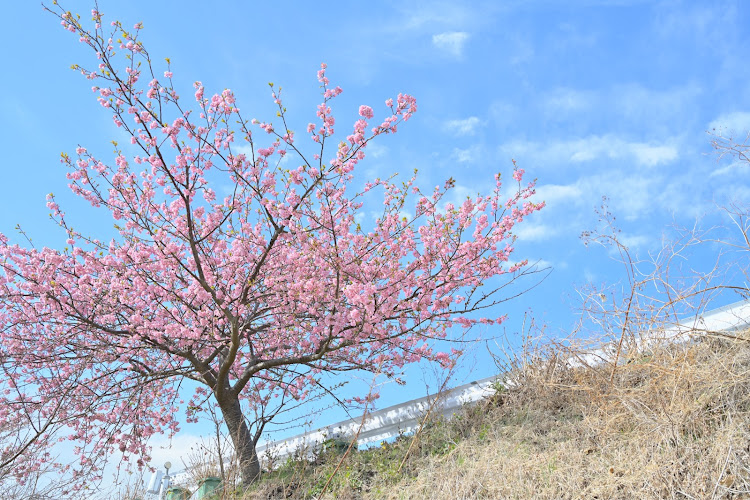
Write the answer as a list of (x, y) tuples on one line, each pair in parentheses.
[(593, 98)]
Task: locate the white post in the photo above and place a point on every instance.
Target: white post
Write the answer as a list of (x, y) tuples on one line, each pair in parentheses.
[(165, 482), (154, 485)]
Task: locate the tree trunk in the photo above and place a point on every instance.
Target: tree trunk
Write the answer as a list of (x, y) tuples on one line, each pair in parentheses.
[(244, 444)]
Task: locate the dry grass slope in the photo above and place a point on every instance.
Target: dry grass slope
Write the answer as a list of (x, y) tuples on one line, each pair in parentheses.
[(674, 423)]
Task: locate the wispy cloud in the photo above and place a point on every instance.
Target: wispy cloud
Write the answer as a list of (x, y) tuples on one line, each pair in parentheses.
[(436, 14), (735, 167), (593, 147), (633, 196), (621, 107), (656, 108), (650, 156), (712, 24), (528, 232), (737, 122), (467, 126), (468, 155), (557, 194), (451, 42), (376, 150), (636, 241), (564, 100)]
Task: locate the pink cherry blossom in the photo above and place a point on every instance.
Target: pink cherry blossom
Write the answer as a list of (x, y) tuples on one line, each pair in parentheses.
[(366, 112)]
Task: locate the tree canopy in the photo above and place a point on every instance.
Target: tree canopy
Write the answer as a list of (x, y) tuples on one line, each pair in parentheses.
[(241, 264)]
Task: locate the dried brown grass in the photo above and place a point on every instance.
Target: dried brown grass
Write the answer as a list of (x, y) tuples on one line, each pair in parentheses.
[(674, 423)]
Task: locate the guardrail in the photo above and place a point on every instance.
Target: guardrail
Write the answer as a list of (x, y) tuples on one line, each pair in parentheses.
[(384, 424), (379, 425)]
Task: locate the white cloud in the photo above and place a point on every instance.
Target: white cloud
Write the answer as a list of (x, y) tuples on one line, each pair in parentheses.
[(556, 194), (731, 192), (376, 150), (466, 126), (734, 167), (438, 14), (570, 207), (629, 106), (636, 241), (528, 232), (565, 100), (714, 25), (631, 195), (658, 110), (242, 148), (451, 42), (737, 122), (176, 450), (590, 276), (653, 155), (585, 151), (468, 155), (590, 148), (540, 263)]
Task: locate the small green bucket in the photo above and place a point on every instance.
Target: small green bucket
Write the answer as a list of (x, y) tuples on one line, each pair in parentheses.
[(207, 487)]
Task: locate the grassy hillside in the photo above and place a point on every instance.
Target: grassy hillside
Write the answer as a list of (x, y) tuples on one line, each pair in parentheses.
[(671, 422)]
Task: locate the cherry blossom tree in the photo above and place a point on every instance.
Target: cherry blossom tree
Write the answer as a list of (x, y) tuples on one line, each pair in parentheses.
[(252, 292)]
